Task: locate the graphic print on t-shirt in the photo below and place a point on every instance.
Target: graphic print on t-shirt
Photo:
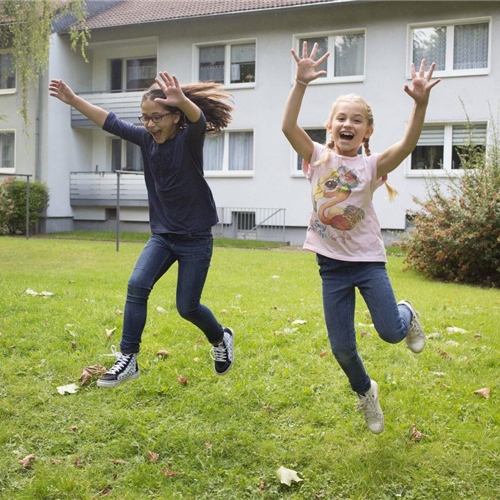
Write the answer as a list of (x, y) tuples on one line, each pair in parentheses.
[(330, 193)]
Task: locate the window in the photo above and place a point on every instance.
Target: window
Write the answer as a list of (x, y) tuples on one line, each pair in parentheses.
[(440, 146), (126, 156), (228, 63), (347, 54), (229, 152), (132, 74), (457, 49), (7, 149), (317, 135), (7, 72)]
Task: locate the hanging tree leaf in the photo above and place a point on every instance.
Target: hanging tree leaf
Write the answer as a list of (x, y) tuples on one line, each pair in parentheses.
[(25, 29)]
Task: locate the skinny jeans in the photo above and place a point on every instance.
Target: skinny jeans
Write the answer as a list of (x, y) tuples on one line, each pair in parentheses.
[(193, 253), (391, 321)]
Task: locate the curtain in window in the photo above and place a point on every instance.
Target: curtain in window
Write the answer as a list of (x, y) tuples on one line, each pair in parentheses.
[(243, 63), (469, 134), (213, 153), (349, 54), (212, 63), (134, 158), (6, 150), (470, 48), (430, 44), (141, 73), (240, 151)]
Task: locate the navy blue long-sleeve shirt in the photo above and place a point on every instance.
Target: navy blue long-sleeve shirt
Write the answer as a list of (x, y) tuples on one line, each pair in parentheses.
[(180, 200)]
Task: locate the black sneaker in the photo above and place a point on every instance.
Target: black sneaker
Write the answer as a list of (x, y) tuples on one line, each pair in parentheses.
[(223, 353), (124, 369)]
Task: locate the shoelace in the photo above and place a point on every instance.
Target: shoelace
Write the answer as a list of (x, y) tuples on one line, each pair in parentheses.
[(367, 404), (120, 363), (219, 353)]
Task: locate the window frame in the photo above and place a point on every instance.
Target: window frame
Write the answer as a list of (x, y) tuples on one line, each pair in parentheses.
[(123, 154), (447, 169), (227, 44), (330, 77), (124, 72), (225, 172), (450, 25), (10, 90), (294, 171), (11, 170)]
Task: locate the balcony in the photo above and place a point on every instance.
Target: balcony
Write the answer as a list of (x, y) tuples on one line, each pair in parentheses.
[(127, 105), (100, 189)]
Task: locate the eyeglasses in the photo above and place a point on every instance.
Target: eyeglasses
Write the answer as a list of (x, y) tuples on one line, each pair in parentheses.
[(155, 118)]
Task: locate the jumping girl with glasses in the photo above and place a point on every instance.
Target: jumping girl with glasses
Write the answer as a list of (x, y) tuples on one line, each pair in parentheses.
[(181, 207)]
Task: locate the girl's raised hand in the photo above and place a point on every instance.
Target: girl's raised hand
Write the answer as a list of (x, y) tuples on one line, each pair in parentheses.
[(57, 88), (307, 66), (421, 83), (172, 90)]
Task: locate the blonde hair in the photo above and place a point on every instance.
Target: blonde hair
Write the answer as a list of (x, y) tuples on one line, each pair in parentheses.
[(210, 97), (356, 99)]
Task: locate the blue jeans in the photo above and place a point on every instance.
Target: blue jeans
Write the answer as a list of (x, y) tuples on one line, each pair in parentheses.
[(193, 253), (339, 280)]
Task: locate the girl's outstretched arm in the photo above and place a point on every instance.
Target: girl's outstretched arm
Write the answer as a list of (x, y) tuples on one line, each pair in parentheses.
[(307, 71), (420, 92), (174, 96), (57, 88)]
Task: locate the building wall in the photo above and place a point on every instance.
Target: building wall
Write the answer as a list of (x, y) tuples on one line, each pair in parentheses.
[(260, 108)]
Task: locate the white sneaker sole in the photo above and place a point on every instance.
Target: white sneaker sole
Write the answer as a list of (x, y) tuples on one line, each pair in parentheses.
[(116, 383)]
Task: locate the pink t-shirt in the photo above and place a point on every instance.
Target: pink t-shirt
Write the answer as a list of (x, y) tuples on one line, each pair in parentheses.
[(344, 225)]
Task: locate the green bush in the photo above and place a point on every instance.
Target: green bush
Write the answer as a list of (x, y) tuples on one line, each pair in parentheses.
[(13, 205), (457, 231)]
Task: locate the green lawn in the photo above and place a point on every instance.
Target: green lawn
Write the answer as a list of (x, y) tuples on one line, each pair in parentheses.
[(285, 403)]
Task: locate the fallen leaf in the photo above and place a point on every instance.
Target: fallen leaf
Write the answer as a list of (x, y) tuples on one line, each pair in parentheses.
[(299, 322), (110, 332), (262, 486), (29, 291), (53, 461), (485, 392), (91, 371), (70, 389), (223, 311), (323, 354), (78, 462), (435, 335), (170, 473), (74, 345), (161, 310), (286, 476), (118, 461), (182, 380), (454, 329), (452, 343), (477, 336), (106, 491), (26, 461), (153, 457), (46, 294), (74, 428), (163, 353), (443, 354), (118, 312), (416, 434)]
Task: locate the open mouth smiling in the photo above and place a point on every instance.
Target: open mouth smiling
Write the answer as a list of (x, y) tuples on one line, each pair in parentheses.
[(346, 135)]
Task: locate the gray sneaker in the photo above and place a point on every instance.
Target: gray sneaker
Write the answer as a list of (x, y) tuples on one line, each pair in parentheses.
[(124, 369), (369, 404), (223, 353), (415, 339)]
